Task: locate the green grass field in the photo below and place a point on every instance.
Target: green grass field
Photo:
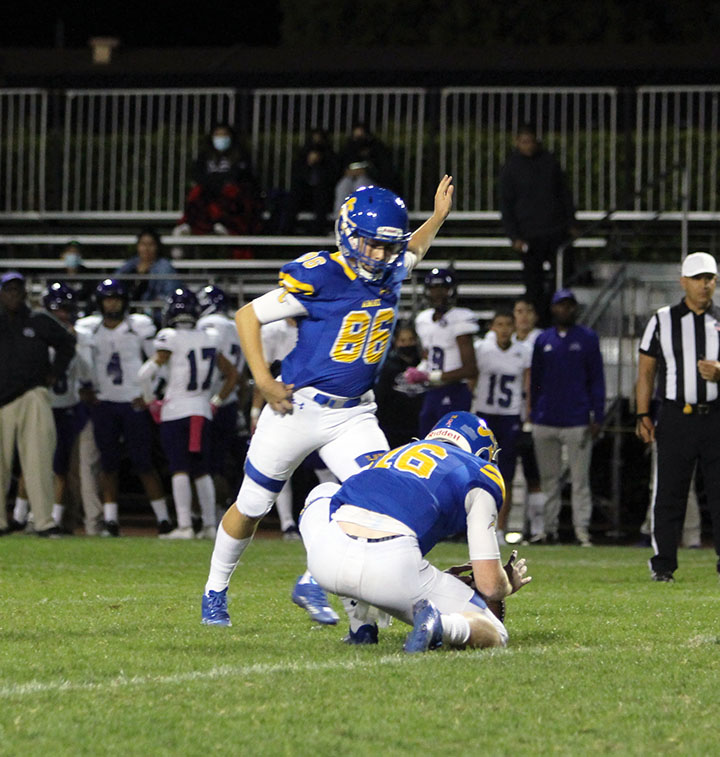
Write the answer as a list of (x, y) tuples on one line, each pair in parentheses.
[(102, 652)]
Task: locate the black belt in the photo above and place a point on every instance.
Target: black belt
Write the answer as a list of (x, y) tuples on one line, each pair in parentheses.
[(701, 408), (373, 541)]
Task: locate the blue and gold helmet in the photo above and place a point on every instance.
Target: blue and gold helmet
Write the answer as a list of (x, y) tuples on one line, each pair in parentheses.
[(372, 213), (467, 431)]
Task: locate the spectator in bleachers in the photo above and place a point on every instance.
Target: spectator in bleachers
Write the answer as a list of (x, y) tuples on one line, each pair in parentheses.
[(71, 256), (315, 174), (538, 214), (364, 147), (225, 197), (149, 260)]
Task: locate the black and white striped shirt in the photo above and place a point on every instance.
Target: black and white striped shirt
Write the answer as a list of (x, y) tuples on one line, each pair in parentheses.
[(677, 338)]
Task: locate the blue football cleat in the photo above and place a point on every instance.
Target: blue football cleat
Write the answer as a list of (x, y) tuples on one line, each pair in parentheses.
[(214, 608), (366, 634), (427, 628), (312, 598)]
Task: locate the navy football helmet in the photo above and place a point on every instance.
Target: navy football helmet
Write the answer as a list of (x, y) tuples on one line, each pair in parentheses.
[(441, 277), (60, 296), (212, 299), (112, 288), (372, 213), (182, 309), (467, 431)]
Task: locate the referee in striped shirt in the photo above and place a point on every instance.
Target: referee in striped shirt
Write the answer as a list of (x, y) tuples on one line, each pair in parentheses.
[(681, 345)]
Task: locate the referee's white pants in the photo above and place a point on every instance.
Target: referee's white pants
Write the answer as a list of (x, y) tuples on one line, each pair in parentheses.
[(28, 422), (549, 441), (346, 438), (391, 575)]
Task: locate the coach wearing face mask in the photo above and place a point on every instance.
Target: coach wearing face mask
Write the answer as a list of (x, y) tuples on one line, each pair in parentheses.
[(226, 196)]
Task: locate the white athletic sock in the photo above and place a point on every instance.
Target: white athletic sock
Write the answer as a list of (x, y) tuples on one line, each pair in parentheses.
[(455, 629), (225, 557), (57, 513), (284, 505), (21, 509), (110, 512), (536, 513), (349, 606), (159, 507), (205, 489), (182, 495)]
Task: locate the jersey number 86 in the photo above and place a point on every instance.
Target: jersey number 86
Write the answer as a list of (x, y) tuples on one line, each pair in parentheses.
[(363, 334)]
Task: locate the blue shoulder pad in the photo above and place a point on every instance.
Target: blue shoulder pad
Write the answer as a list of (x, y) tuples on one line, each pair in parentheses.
[(315, 271)]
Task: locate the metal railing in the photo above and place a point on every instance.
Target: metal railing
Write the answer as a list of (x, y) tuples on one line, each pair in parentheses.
[(23, 149), (678, 125), (477, 128), (131, 150), (283, 118), (126, 153)]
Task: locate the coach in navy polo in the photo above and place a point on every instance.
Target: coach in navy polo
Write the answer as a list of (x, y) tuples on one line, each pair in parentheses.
[(681, 347), (567, 408)]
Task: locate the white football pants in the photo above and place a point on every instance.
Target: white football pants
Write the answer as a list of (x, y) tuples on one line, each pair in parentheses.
[(391, 575), (346, 439)]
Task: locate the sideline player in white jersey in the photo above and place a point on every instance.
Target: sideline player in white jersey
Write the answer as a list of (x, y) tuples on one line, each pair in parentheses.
[(191, 356), (224, 437), (345, 304), (446, 335), (118, 346), (526, 332), (502, 387)]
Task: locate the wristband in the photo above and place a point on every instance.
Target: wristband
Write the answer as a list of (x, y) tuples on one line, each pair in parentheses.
[(216, 400), (435, 377), (255, 413), (638, 416)]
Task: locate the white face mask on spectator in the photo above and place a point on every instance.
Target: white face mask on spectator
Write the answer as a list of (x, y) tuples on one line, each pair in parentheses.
[(221, 142)]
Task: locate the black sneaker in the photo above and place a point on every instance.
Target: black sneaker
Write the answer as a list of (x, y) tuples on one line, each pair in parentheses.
[(164, 527), (664, 577), (14, 525), (50, 533), (110, 528)]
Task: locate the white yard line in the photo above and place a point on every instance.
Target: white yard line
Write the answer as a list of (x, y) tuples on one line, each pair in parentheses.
[(224, 671)]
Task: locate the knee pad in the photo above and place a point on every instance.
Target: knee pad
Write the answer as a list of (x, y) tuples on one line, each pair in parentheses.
[(254, 500)]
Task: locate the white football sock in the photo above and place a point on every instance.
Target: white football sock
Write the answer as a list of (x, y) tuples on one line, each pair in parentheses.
[(57, 513), (455, 629), (110, 512), (284, 505), (182, 495), (159, 507), (205, 489), (225, 557), (21, 509)]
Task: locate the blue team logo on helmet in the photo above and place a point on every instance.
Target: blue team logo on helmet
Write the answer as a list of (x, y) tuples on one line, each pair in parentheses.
[(212, 299), (468, 432), (60, 296), (372, 213), (112, 288), (441, 277), (181, 308)]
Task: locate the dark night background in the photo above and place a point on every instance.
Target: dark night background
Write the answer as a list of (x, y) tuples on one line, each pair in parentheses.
[(406, 42)]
